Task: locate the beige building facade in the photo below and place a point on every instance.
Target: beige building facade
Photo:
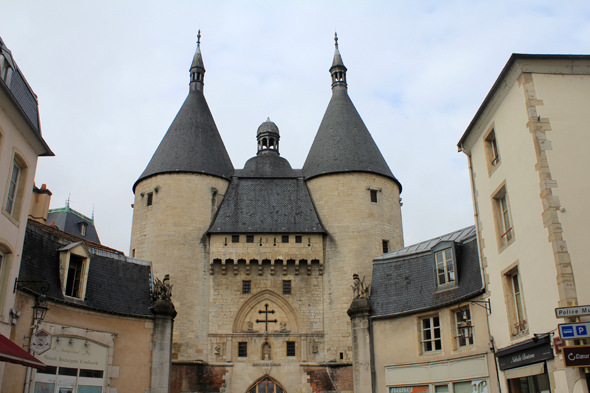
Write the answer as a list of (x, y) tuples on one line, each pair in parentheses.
[(20, 145), (262, 258), (527, 156)]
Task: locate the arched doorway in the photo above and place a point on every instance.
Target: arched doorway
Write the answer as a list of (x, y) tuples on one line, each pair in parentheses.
[(266, 385)]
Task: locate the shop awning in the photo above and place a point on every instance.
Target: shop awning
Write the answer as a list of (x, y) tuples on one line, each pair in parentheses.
[(525, 371), (12, 353)]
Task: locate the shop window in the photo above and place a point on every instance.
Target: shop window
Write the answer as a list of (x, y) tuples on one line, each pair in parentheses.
[(242, 349), (463, 335), (492, 153), (246, 287), (515, 301), (290, 348), (502, 218), (286, 287), (431, 336)]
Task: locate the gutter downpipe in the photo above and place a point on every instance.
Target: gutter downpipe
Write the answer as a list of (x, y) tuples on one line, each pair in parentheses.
[(371, 348), (483, 278)]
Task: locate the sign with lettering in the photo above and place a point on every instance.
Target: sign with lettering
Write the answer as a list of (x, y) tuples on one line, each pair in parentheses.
[(41, 341), (558, 344), (577, 356), (75, 353), (574, 331), (409, 389), (563, 312), (525, 356)]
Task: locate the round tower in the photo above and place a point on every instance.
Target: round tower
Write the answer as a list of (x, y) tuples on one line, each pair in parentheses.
[(176, 198), (358, 200)]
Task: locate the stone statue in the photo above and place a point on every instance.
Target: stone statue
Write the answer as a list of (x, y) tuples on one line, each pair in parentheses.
[(314, 347), (218, 350), (162, 289), (266, 351), (359, 290), (250, 326), (283, 326)]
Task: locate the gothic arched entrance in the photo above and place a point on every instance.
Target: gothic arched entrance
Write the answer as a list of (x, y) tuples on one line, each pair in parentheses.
[(266, 385)]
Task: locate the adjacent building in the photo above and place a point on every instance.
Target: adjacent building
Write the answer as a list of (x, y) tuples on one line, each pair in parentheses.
[(428, 322), (527, 149), (262, 258), (21, 143)]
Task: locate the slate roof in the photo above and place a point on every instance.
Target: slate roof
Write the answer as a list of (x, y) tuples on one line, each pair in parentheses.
[(23, 98), (343, 142), (269, 164), (267, 205), (192, 144), (68, 220), (404, 281), (116, 284)]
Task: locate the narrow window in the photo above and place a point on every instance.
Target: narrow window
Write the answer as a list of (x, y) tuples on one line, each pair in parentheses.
[(502, 218), (150, 198), (445, 266), (431, 337), (74, 276), (374, 196), (385, 244), (83, 228), (285, 238), (520, 321), (290, 348), (235, 238), (249, 238), (133, 253), (12, 187), (462, 320), (246, 287), (298, 239), (243, 349), (491, 151), (286, 287)]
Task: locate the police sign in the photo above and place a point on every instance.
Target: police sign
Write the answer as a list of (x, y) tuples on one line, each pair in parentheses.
[(563, 312)]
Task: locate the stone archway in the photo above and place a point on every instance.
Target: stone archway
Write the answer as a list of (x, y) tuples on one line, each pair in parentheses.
[(284, 316), (266, 384)]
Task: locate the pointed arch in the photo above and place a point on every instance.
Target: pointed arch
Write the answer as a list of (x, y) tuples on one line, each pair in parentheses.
[(269, 383), (266, 295)]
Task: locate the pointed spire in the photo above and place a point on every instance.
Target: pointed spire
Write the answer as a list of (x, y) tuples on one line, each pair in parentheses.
[(197, 70), (338, 70)]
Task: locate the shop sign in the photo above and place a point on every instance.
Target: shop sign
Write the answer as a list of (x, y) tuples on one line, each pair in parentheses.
[(41, 341), (409, 389), (558, 344), (525, 356), (564, 312), (577, 356)]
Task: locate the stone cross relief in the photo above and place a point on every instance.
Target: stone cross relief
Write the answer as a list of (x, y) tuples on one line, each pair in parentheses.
[(266, 321)]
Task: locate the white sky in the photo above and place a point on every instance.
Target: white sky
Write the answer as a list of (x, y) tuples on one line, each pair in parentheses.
[(111, 76)]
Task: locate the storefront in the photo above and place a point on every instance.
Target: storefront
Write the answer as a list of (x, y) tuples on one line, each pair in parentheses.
[(462, 375), (524, 365)]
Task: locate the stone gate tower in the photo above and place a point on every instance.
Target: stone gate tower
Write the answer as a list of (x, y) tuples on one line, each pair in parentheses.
[(262, 258)]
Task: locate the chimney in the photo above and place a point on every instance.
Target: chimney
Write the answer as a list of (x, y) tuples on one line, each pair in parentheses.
[(40, 204)]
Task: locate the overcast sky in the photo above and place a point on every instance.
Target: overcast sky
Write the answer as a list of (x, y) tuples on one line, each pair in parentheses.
[(111, 76)]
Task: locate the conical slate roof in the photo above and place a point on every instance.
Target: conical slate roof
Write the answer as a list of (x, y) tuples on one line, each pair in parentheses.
[(192, 144), (343, 142)]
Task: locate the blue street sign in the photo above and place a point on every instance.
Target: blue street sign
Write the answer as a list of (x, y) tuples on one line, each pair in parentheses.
[(572, 331)]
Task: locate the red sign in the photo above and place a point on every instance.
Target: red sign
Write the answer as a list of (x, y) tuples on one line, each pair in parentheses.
[(577, 356), (558, 344), (409, 389)]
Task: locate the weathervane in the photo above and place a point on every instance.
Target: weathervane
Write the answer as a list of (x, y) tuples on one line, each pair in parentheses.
[(336, 39), (199, 37)]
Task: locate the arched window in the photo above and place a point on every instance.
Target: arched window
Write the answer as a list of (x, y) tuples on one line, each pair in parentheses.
[(266, 385)]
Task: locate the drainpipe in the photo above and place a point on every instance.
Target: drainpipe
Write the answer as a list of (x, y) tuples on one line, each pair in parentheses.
[(372, 350)]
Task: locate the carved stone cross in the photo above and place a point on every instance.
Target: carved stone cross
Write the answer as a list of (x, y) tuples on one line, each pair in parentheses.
[(266, 321)]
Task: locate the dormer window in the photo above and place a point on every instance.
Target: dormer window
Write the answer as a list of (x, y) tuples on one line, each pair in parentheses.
[(74, 263), (83, 226), (445, 264)]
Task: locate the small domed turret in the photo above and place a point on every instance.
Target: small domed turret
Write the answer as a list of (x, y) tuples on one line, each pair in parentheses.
[(268, 137)]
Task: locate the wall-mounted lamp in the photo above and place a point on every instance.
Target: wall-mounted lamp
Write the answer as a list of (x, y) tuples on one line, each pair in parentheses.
[(40, 309), (465, 328), (71, 340)]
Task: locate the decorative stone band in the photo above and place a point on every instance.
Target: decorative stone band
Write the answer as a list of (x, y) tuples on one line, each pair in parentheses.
[(267, 265)]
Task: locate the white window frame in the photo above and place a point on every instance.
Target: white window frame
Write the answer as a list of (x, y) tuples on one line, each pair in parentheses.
[(13, 184), (503, 217), (428, 335)]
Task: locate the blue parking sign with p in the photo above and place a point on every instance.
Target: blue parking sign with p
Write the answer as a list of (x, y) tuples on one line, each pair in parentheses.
[(574, 330), (581, 330)]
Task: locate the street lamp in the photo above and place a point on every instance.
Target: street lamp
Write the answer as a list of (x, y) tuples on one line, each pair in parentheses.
[(39, 309), (465, 328)]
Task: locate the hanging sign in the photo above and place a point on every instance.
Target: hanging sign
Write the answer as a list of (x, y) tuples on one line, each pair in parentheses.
[(577, 356), (41, 341)]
